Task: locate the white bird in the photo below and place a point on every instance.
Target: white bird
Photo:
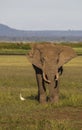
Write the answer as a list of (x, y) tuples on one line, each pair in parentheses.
[(22, 98)]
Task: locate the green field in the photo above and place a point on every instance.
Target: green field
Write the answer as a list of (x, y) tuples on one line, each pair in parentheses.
[(17, 75), (9, 48)]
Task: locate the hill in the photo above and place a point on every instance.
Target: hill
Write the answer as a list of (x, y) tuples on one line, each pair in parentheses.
[(10, 34)]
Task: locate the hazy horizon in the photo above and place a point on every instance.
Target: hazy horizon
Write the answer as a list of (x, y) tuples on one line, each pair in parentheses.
[(38, 30)]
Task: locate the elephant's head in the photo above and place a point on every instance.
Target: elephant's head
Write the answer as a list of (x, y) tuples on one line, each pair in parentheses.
[(49, 58)]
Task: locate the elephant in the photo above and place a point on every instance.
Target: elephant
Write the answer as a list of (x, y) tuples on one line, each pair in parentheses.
[(48, 60)]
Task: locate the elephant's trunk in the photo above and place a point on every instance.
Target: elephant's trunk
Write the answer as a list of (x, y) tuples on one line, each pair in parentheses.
[(53, 89), (44, 74), (56, 75)]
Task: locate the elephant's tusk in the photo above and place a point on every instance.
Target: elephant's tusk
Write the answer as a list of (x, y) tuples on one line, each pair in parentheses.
[(44, 77)]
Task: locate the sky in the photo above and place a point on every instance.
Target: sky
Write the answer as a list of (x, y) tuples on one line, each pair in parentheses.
[(42, 14)]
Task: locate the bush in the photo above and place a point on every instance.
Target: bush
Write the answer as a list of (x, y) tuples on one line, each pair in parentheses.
[(6, 45)]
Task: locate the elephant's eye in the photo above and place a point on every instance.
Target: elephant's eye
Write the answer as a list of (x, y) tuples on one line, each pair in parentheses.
[(57, 60), (42, 60)]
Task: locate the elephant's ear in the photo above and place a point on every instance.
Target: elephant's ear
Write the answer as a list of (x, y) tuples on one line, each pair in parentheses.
[(66, 55), (34, 57)]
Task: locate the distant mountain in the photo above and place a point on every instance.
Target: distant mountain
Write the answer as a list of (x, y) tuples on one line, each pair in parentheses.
[(10, 34)]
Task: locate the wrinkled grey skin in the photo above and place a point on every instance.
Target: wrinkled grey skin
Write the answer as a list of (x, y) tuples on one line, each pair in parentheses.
[(47, 61)]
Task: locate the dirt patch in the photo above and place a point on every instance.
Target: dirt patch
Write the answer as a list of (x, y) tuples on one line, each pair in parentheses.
[(59, 114)]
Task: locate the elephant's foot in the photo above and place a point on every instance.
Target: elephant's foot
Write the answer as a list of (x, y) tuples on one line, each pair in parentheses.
[(54, 99), (42, 99)]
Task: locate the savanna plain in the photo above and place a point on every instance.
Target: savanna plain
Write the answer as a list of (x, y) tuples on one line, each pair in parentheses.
[(17, 76)]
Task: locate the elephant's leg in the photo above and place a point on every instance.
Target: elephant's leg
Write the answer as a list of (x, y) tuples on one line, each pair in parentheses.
[(41, 88), (41, 85)]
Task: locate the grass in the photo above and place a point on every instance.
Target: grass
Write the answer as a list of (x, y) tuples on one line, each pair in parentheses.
[(78, 50), (17, 75)]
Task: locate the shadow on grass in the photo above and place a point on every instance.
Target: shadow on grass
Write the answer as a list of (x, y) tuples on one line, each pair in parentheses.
[(32, 97), (62, 96)]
